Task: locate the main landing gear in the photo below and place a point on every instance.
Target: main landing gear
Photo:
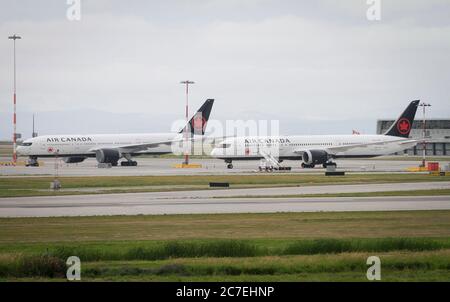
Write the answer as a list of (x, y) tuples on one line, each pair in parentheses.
[(304, 166), (325, 165), (329, 164), (128, 163)]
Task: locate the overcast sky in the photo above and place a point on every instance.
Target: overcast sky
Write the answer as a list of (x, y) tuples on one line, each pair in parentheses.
[(317, 66)]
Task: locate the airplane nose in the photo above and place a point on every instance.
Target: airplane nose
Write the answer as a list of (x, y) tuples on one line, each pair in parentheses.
[(214, 152), (19, 150)]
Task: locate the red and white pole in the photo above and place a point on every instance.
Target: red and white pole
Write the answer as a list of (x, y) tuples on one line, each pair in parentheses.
[(15, 131), (424, 132), (14, 38), (187, 128), (186, 155)]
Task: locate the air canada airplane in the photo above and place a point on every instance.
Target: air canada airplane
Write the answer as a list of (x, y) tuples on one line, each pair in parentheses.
[(315, 150), (109, 148)]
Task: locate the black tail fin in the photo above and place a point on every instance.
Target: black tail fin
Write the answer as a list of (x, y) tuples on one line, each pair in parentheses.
[(199, 120), (402, 126)]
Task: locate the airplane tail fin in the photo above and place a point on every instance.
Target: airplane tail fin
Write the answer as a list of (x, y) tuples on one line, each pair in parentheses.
[(197, 124), (403, 125)]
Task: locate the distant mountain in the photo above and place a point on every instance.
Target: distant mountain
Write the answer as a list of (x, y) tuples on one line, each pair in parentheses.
[(96, 121)]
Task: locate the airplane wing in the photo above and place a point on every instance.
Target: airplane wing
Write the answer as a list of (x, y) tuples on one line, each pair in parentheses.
[(136, 147), (142, 147), (195, 127), (337, 149)]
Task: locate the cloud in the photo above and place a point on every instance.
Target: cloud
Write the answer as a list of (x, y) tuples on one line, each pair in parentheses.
[(292, 61)]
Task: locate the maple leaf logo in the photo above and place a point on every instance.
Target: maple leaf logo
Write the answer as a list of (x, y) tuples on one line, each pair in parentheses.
[(403, 126), (198, 122)]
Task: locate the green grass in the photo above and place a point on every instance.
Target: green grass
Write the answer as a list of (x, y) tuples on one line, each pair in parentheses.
[(237, 248), (110, 229), (29, 186), (272, 265), (412, 245), (163, 250), (396, 265), (325, 246)]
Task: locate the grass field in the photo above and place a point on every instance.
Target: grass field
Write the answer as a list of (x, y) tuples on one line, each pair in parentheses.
[(412, 245), (39, 186)]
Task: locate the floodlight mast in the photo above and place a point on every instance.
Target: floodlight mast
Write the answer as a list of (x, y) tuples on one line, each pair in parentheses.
[(14, 38), (424, 105), (186, 129)]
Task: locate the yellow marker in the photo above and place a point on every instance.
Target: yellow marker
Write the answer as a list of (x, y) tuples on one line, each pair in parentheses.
[(187, 166)]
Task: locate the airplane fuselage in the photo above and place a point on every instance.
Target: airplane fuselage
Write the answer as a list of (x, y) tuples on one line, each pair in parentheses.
[(86, 144), (290, 147)]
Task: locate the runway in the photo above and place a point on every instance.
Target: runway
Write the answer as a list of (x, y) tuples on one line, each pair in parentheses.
[(226, 201), (210, 166)]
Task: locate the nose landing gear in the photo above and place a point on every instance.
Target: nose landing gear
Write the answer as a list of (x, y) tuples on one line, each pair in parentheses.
[(229, 164), (32, 162)]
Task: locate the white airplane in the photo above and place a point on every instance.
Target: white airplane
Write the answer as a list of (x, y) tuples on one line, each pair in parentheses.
[(318, 149), (109, 148)]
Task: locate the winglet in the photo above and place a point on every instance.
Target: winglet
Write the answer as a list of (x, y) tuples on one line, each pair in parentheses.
[(403, 125)]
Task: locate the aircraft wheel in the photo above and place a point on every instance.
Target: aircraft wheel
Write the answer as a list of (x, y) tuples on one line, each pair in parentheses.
[(128, 163), (114, 164), (329, 164), (230, 166)]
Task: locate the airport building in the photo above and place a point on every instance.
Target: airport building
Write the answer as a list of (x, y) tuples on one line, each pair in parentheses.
[(437, 135)]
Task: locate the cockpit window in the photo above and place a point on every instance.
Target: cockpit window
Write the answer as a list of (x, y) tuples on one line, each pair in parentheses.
[(26, 144)]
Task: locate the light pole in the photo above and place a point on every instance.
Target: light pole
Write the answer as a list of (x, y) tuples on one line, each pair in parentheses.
[(14, 38), (424, 105), (186, 152)]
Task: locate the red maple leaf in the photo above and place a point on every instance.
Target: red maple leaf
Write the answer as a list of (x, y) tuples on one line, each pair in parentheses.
[(198, 123), (404, 126)]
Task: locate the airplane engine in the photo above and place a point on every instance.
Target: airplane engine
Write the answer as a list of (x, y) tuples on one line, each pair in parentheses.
[(107, 156), (74, 159), (313, 157)]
